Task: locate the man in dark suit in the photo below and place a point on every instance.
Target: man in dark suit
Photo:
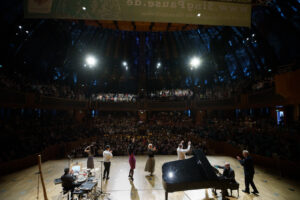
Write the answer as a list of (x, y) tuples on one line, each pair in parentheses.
[(228, 174), (247, 163), (68, 181)]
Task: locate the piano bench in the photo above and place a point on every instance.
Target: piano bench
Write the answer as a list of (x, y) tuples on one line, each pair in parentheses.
[(234, 186)]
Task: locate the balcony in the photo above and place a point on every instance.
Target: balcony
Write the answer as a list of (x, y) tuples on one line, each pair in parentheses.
[(263, 98)]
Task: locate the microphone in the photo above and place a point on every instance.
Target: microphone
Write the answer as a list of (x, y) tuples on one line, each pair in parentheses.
[(69, 157)]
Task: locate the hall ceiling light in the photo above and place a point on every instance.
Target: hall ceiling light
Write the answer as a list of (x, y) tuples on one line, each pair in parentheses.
[(91, 61), (195, 62), (158, 65)]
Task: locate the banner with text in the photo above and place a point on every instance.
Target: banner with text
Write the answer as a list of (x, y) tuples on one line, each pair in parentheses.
[(168, 11)]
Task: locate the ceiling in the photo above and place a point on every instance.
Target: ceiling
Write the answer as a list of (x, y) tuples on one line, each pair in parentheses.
[(50, 49)]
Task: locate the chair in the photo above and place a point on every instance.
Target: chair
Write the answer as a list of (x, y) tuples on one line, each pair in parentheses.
[(67, 193), (232, 186)]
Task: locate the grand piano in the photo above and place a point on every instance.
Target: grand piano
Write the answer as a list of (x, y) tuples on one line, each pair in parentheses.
[(190, 174)]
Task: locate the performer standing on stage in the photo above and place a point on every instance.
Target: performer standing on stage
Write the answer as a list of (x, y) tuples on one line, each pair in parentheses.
[(247, 163), (150, 164), (131, 151), (90, 160), (181, 152), (107, 155)]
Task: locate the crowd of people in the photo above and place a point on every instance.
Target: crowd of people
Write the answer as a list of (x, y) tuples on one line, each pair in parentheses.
[(114, 97), (262, 137), (21, 83), (118, 130), (171, 95), (27, 132), (217, 91), (22, 135)]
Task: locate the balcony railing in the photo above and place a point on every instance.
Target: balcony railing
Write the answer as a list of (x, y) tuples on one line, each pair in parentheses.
[(268, 97)]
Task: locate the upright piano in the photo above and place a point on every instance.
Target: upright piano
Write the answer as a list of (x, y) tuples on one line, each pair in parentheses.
[(190, 174)]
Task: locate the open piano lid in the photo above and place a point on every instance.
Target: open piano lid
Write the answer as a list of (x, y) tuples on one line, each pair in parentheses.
[(192, 173)]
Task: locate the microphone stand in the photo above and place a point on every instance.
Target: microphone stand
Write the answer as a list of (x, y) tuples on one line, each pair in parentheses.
[(70, 160), (101, 192), (38, 185)]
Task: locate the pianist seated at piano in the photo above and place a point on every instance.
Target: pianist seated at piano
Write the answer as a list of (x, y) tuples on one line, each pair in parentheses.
[(195, 173), (68, 181), (228, 174)]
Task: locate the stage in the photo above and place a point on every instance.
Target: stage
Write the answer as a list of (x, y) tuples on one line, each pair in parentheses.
[(23, 185)]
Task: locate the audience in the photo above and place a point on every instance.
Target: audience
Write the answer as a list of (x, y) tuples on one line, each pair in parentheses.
[(20, 83), (28, 132), (111, 97), (215, 91)]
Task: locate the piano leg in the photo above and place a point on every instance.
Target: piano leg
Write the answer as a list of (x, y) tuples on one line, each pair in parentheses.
[(223, 195), (166, 195)]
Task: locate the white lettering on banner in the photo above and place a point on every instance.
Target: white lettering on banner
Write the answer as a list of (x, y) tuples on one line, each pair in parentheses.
[(173, 5), (151, 4), (138, 3), (158, 4), (181, 4), (165, 4), (190, 6), (129, 2), (179, 11), (202, 5)]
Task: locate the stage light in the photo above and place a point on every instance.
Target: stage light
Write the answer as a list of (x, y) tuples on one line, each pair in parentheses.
[(124, 63), (199, 15), (158, 65), (170, 174), (195, 62), (27, 32), (91, 61), (83, 8), (20, 27)]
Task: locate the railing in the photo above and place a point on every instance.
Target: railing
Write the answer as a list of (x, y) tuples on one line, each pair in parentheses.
[(10, 98), (264, 98)]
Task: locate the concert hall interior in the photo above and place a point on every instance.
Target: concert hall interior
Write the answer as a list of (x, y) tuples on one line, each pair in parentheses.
[(150, 100)]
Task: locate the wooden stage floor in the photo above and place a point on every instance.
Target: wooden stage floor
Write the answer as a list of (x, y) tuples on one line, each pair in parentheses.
[(23, 185)]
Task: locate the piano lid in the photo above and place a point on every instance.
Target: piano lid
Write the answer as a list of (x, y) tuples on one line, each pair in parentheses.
[(195, 169)]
